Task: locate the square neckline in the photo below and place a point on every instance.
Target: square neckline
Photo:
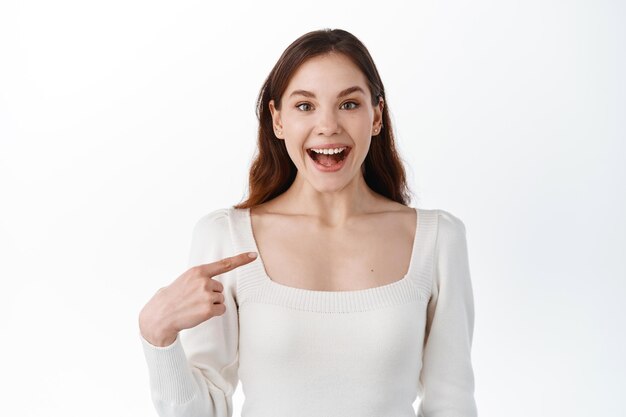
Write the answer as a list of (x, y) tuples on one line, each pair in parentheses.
[(398, 282)]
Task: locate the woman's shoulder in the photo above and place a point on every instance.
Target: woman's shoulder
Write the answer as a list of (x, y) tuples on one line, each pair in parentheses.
[(451, 231), (445, 218), (211, 237), (449, 221), (214, 223), (213, 217), (449, 227)]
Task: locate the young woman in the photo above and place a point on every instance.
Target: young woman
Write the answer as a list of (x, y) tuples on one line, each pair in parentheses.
[(355, 304)]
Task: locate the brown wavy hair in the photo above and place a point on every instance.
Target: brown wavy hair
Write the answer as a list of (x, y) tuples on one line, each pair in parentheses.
[(272, 171)]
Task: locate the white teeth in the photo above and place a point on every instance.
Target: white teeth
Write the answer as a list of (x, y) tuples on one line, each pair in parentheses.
[(329, 151)]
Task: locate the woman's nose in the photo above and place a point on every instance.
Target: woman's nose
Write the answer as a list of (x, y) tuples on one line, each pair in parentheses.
[(328, 122)]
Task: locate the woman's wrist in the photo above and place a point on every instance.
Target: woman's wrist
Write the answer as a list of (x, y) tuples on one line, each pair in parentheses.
[(156, 335)]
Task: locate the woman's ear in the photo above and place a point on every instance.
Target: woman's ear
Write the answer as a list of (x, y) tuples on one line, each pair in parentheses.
[(378, 116), (278, 128)]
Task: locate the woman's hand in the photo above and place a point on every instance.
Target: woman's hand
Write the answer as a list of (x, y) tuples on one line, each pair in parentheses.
[(191, 299)]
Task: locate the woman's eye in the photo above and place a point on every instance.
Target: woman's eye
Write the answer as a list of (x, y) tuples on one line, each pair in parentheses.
[(354, 105), (299, 106)]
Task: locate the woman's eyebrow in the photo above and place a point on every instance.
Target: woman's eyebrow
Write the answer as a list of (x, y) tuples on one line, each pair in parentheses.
[(341, 93)]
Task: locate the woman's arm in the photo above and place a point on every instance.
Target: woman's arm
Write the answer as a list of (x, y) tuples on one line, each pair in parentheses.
[(198, 373), (447, 378)]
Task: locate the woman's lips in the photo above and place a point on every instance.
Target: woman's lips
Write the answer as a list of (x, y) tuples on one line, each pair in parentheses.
[(332, 168)]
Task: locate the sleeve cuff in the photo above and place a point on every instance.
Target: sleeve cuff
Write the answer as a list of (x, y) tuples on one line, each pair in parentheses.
[(171, 378)]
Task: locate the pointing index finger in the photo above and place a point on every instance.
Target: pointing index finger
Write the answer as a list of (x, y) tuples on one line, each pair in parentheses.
[(227, 264)]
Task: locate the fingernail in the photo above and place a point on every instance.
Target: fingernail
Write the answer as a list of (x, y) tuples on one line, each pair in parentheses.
[(252, 254)]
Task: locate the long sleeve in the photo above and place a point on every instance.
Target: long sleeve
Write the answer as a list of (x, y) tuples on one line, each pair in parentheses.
[(197, 374), (446, 381)]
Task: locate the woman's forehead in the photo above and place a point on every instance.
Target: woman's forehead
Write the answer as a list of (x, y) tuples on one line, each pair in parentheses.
[(327, 74)]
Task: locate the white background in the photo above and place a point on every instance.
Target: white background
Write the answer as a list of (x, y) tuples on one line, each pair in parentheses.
[(123, 122)]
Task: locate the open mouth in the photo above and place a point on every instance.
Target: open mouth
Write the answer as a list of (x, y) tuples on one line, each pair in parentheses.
[(329, 157)]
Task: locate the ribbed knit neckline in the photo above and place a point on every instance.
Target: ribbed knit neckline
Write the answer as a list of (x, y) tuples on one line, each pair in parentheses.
[(258, 286)]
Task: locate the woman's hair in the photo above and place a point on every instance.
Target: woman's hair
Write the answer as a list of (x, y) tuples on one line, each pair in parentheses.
[(272, 170)]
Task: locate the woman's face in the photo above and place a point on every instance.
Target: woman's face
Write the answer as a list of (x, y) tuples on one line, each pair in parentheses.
[(327, 102)]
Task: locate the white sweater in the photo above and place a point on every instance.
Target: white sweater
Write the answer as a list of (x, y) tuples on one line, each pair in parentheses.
[(305, 353)]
